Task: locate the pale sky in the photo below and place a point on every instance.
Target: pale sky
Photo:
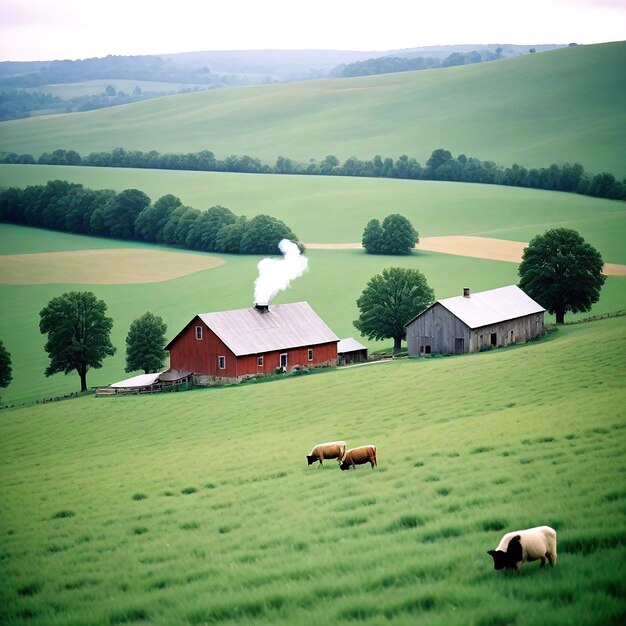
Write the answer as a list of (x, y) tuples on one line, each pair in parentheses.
[(77, 29)]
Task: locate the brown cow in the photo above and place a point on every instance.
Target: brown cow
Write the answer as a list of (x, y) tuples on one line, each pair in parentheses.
[(358, 456), (329, 450)]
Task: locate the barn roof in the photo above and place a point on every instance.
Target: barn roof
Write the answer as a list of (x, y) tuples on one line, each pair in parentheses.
[(142, 380), (247, 331), (491, 307), (349, 345)]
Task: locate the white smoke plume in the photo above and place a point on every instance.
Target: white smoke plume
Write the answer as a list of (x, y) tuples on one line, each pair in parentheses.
[(276, 274)]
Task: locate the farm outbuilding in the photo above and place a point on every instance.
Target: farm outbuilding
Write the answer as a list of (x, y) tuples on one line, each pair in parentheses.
[(229, 346), (351, 351), (475, 321), (147, 383)]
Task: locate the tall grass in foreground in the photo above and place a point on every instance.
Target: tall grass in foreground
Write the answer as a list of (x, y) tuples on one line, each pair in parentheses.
[(198, 507)]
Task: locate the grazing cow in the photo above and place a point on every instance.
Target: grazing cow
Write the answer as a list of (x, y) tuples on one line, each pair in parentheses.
[(329, 450), (525, 545), (358, 456)]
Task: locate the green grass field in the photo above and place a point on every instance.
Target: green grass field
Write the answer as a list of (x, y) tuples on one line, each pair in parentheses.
[(564, 105), (198, 507)]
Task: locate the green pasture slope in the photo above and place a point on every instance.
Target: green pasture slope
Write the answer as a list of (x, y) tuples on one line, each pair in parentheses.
[(564, 105), (198, 507)]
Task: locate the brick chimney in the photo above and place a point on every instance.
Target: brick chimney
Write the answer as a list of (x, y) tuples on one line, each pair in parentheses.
[(262, 308), (466, 292)]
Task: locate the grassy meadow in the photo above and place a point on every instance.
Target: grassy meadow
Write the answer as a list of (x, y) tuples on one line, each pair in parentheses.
[(198, 507), (563, 105)]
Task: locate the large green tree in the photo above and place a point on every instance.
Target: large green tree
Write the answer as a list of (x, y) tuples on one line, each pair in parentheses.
[(399, 236), (6, 373), (78, 333), (562, 272), (389, 301), (145, 342)]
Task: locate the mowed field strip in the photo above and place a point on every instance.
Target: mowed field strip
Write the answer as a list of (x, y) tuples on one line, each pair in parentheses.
[(128, 265), (101, 267), (467, 245)]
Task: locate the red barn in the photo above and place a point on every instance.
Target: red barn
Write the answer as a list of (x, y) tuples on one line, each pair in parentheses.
[(229, 346)]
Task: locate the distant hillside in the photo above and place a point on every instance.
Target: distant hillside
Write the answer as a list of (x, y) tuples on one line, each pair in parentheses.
[(28, 89), (432, 58), (536, 109), (217, 68)]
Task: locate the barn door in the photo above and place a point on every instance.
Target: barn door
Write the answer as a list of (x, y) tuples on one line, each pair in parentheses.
[(283, 361), (459, 345)]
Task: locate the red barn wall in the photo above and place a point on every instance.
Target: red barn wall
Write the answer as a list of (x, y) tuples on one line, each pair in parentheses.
[(201, 355)]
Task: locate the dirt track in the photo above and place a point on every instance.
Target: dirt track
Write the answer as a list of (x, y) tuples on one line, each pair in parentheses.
[(465, 245)]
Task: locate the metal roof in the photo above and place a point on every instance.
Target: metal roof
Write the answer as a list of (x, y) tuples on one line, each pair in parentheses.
[(490, 307), (142, 380), (247, 331), (349, 345)]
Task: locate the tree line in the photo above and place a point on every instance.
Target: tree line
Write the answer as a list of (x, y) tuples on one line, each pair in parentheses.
[(441, 165), (139, 67), (390, 64), (130, 214), (20, 103)]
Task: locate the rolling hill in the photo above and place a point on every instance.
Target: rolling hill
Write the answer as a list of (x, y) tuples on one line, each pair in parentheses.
[(198, 507), (558, 106)]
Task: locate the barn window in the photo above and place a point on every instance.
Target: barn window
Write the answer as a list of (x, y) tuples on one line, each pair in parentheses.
[(259, 361), (310, 354), (221, 362), (199, 332)]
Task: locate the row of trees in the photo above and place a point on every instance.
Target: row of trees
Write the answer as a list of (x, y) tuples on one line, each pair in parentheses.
[(112, 67), (21, 103), (390, 64), (441, 165), (559, 270), (130, 214)]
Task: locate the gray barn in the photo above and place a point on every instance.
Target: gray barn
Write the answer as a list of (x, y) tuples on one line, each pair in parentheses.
[(475, 321)]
